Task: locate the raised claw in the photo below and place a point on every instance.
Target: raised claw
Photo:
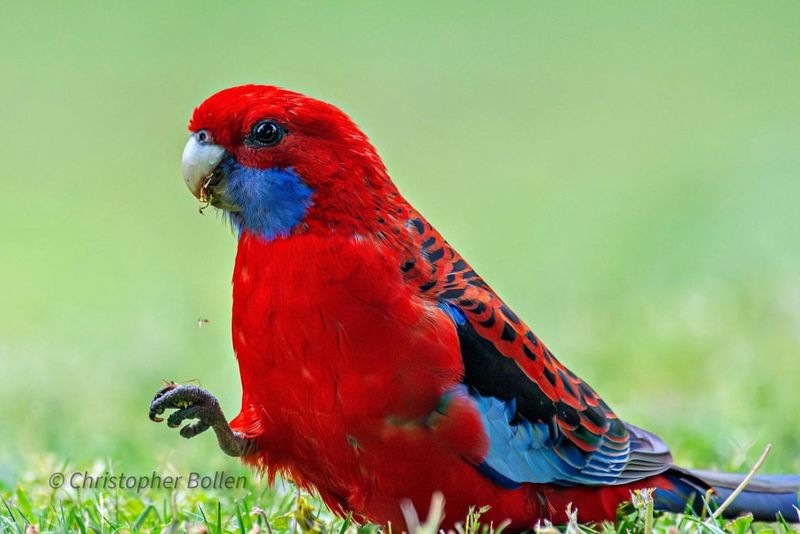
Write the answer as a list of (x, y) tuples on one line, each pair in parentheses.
[(193, 402), (178, 397)]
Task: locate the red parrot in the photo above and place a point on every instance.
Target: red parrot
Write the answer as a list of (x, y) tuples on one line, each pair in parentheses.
[(376, 365)]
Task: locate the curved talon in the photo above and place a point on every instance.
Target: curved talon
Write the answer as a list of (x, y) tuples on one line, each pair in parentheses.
[(156, 407), (155, 412), (191, 412), (155, 418)]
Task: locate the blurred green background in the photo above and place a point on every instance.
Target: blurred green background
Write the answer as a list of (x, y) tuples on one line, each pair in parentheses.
[(624, 174)]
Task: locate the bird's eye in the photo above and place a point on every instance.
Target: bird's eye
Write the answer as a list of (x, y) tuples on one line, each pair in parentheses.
[(266, 133)]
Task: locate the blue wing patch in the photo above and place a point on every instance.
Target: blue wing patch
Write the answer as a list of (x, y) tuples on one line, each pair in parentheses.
[(526, 429), (521, 451)]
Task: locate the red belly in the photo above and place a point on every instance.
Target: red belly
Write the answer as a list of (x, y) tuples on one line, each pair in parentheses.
[(343, 366)]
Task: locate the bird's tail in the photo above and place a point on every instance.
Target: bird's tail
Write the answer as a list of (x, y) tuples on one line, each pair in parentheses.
[(765, 496)]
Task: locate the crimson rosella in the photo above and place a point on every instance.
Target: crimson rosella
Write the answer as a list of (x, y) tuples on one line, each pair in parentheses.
[(376, 365)]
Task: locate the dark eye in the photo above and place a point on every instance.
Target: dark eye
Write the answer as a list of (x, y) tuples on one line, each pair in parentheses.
[(266, 133)]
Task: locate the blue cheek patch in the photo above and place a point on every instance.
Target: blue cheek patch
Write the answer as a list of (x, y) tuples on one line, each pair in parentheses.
[(272, 201)]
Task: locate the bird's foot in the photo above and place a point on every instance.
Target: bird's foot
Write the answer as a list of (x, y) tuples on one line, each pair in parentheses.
[(192, 402)]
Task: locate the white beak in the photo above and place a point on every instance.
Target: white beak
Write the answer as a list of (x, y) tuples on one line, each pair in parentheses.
[(200, 158)]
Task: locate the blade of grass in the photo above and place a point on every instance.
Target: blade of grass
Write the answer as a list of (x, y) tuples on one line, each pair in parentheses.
[(142, 517), (11, 515), (239, 519), (745, 481), (346, 523), (205, 519)]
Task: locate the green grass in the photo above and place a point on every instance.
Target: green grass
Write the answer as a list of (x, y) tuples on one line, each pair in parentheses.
[(35, 507), (250, 507), (624, 174)]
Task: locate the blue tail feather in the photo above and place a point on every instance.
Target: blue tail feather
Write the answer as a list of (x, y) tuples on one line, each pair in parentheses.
[(765, 496)]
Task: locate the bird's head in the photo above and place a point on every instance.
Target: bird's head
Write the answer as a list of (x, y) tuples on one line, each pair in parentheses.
[(280, 162)]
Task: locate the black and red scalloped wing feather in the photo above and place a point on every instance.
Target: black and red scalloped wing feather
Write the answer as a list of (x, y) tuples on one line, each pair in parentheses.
[(557, 428)]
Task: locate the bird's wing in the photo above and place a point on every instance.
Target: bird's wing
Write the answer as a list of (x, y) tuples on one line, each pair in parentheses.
[(545, 424)]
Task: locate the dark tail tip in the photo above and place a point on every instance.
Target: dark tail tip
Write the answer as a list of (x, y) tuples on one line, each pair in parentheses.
[(765, 496)]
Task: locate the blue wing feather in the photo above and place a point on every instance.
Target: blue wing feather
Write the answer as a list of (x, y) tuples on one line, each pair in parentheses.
[(525, 449), (536, 452)]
